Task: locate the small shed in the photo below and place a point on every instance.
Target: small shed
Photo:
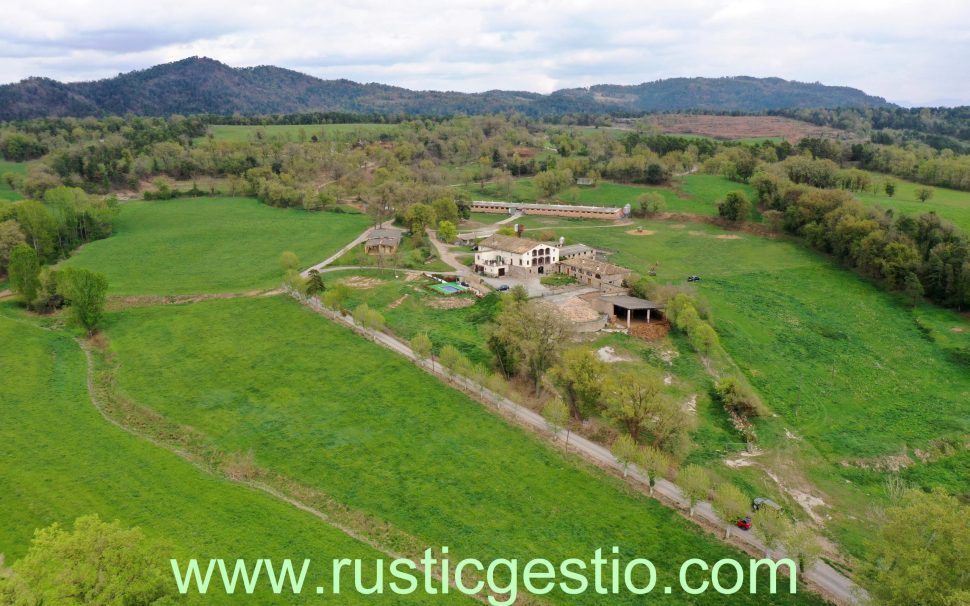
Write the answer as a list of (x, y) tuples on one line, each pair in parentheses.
[(633, 309)]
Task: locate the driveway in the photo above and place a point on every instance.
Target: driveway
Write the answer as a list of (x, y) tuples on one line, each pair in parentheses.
[(531, 284)]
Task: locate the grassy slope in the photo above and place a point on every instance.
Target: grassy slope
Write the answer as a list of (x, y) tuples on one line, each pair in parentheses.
[(10, 167), (951, 204), (842, 362), (210, 245), (61, 460), (379, 435)]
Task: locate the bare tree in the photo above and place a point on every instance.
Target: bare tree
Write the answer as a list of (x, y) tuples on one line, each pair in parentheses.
[(537, 332)]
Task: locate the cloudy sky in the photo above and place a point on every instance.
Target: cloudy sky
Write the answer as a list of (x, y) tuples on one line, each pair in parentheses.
[(911, 52)]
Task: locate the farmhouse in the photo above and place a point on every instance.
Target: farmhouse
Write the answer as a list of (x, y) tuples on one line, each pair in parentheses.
[(574, 251), (595, 273), (382, 242), (549, 210), (506, 255)]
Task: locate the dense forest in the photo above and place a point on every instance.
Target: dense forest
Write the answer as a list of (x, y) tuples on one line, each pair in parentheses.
[(204, 86)]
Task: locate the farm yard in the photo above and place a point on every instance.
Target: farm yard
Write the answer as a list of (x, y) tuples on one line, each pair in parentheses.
[(210, 245)]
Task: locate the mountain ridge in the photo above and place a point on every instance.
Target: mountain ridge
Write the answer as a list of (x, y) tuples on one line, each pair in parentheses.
[(198, 85)]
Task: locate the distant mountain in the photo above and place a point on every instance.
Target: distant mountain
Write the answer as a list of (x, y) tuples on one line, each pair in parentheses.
[(200, 85)]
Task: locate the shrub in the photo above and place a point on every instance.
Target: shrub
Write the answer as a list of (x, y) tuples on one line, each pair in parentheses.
[(738, 398)]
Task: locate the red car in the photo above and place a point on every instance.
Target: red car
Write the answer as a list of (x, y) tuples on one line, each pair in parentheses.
[(744, 523)]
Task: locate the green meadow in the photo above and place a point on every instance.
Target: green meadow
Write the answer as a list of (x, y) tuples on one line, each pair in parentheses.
[(62, 460), (316, 402), (951, 204), (854, 373), (300, 132), (210, 245), (695, 193), (18, 168)]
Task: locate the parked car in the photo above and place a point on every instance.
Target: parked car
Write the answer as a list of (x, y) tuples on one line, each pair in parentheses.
[(744, 523), (503, 287), (760, 502)]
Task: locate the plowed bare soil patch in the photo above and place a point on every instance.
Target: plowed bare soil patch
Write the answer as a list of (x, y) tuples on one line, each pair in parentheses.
[(743, 127)]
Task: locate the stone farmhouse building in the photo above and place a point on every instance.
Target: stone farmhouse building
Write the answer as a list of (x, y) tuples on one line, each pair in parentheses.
[(500, 256), (382, 242), (593, 272)]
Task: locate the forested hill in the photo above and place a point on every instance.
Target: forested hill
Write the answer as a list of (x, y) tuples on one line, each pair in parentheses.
[(201, 85)]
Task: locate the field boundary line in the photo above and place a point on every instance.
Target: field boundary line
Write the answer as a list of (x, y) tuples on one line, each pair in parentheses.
[(199, 462), (825, 580)]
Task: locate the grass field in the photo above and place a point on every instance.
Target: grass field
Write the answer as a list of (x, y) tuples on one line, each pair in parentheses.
[(697, 194), (337, 412), (854, 373), (61, 460), (951, 204), (210, 245), (300, 132), (18, 168)]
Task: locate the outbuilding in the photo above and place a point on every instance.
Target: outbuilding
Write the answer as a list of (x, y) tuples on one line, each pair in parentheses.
[(630, 309)]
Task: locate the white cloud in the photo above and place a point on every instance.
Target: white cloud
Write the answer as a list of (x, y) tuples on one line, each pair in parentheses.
[(912, 51)]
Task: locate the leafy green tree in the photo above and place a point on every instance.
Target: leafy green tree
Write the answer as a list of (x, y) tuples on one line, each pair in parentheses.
[(920, 552), (537, 334), (924, 193), (445, 209), (735, 207), (336, 298), (506, 230), (633, 398), (11, 236), (374, 320), (695, 483), (39, 226), (289, 261), (579, 377), (913, 288), (802, 546), (94, 563), (625, 451), (24, 271), (447, 232), (518, 294), (86, 292), (314, 283), (730, 504), (449, 356), (889, 187), (418, 217), (654, 463), (421, 346), (771, 526), (556, 414), (702, 337), (360, 314), (738, 398), (651, 203)]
